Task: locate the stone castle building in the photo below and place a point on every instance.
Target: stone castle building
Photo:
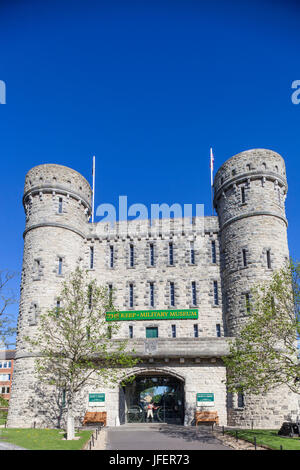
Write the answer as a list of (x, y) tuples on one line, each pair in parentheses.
[(199, 276)]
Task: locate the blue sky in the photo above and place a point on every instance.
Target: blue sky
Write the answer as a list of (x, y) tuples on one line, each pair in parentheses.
[(148, 87)]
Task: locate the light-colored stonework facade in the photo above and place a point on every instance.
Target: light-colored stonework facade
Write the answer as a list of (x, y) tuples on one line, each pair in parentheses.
[(215, 263)]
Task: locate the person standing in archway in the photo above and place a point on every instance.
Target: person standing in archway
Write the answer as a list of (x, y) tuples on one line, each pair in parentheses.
[(150, 408)]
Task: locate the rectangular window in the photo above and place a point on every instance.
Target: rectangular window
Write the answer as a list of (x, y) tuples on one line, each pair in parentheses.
[(131, 260), (130, 331), (216, 294), (131, 295), (172, 294), (151, 254), (171, 254), (247, 303), (109, 332), (243, 194), (90, 297), (218, 330), (60, 205), (60, 263), (192, 253), (111, 258), (269, 259), (57, 307), (240, 400), (194, 293), (196, 331), (151, 294), (3, 390), (151, 332), (213, 252), (91, 257), (110, 295), (173, 331), (244, 258)]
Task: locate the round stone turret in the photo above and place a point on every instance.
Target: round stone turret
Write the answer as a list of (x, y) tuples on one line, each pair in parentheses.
[(249, 195), (250, 191)]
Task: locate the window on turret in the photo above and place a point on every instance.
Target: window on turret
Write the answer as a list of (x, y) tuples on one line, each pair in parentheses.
[(131, 256), (269, 264), (243, 195), (91, 257), (60, 265), (244, 252), (247, 303), (171, 254), (151, 254), (111, 256), (192, 253), (218, 330), (60, 205)]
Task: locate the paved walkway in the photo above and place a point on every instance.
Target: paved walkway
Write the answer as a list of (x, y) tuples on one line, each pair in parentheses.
[(158, 437)]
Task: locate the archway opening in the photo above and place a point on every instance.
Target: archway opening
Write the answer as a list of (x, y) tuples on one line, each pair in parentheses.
[(152, 397)]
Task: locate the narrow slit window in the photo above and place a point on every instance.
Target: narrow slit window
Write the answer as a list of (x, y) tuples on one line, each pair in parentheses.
[(216, 294), (131, 257), (151, 254), (192, 253), (151, 294), (131, 295), (60, 265), (110, 294), (172, 294), (244, 258), (247, 303), (194, 293), (218, 330), (213, 252), (130, 331), (173, 331), (171, 254), (91, 257), (243, 194), (111, 256), (269, 259), (60, 205), (196, 331)]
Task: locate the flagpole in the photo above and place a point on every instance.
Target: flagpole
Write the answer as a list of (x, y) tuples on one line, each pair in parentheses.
[(93, 203), (211, 179)]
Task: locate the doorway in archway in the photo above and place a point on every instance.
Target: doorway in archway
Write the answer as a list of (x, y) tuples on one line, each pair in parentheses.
[(155, 398)]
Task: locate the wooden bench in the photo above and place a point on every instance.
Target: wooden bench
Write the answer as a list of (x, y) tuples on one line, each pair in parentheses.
[(94, 417), (206, 417)]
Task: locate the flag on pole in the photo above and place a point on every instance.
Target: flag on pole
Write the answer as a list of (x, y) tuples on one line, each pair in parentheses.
[(211, 167)]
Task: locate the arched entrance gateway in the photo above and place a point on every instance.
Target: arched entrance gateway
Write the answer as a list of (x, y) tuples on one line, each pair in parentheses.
[(164, 390)]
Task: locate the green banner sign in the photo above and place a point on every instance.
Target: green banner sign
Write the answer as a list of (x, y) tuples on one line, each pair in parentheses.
[(132, 315), (96, 397), (201, 397)]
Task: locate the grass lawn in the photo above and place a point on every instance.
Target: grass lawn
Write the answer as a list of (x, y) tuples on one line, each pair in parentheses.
[(43, 439), (268, 437)]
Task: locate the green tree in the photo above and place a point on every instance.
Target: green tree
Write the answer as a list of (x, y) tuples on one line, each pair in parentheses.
[(74, 342), (264, 354), (7, 298)]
